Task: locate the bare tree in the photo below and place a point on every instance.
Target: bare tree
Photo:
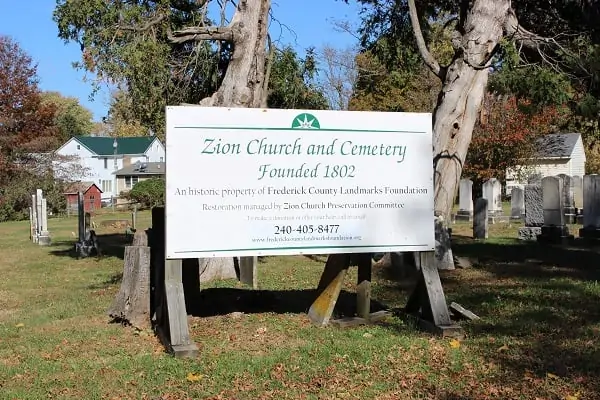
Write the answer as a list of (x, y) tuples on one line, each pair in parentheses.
[(339, 75)]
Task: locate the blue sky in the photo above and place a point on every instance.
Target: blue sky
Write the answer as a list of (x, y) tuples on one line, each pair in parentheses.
[(310, 24)]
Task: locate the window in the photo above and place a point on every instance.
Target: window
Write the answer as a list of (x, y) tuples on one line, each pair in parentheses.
[(130, 181), (78, 147), (161, 159), (105, 162), (91, 197), (106, 186)]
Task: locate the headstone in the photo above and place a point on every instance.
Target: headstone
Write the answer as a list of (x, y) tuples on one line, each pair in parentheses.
[(568, 201), (87, 244), (480, 219), (534, 215), (591, 207), (31, 224), (44, 238), (554, 229), (517, 203), (443, 246), (35, 218), (492, 192), (465, 200), (577, 183)]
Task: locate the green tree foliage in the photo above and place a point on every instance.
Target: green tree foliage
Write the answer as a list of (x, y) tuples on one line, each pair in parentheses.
[(292, 81), (129, 44), (148, 193), (71, 118)]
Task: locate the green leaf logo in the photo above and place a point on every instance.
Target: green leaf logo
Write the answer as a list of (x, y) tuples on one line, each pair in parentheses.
[(306, 121)]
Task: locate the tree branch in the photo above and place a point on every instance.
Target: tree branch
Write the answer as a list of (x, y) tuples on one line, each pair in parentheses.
[(197, 33), (428, 58), (154, 21)]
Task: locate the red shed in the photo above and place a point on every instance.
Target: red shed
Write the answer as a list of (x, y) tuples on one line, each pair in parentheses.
[(91, 196)]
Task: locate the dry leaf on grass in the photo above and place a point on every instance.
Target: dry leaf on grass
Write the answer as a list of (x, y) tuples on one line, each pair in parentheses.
[(193, 377)]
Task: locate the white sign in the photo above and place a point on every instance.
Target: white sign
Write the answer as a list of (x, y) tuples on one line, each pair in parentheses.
[(245, 182)]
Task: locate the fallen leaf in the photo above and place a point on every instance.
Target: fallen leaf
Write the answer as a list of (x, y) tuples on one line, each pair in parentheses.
[(551, 376), (503, 348), (19, 325), (455, 344), (367, 335), (574, 397), (193, 377)]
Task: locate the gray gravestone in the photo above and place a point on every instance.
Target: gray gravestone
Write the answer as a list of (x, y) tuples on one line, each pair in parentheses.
[(465, 200), (44, 238), (35, 218), (534, 179), (534, 214), (492, 192), (554, 229), (517, 203), (443, 248), (591, 207), (577, 182), (568, 201), (480, 219), (553, 201)]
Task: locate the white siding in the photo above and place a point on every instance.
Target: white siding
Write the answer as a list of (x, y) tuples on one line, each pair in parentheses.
[(155, 153), (578, 159), (101, 172), (544, 167)]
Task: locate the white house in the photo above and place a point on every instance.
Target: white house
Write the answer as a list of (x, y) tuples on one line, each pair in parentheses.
[(100, 157), (557, 153)]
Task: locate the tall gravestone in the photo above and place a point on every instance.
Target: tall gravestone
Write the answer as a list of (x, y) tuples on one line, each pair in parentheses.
[(577, 182), (534, 215), (44, 236), (465, 200), (492, 192), (554, 229), (34, 217), (568, 198), (480, 219), (517, 203), (591, 207)]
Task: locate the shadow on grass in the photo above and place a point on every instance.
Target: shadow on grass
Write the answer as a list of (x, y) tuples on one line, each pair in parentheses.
[(222, 301), (111, 245), (540, 301), (111, 281)]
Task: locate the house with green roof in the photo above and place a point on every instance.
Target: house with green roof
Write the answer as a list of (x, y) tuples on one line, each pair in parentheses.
[(102, 156)]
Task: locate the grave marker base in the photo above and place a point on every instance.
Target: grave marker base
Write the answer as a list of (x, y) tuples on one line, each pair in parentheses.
[(590, 233), (555, 235), (463, 215)]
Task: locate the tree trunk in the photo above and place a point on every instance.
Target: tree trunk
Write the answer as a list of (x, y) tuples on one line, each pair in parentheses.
[(242, 86), (458, 105), (132, 304)]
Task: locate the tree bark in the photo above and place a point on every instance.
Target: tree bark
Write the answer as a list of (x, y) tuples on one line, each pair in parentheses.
[(464, 83), (132, 304), (242, 86)]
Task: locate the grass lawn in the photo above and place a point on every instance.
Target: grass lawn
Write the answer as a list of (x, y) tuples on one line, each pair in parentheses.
[(537, 339)]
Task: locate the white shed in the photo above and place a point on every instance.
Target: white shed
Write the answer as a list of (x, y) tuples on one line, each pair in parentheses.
[(557, 153)]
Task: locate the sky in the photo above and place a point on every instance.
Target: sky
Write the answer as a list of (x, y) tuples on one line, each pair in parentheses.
[(311, 24)]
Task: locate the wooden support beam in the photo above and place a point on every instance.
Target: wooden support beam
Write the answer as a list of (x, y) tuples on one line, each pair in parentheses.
[(330, 286), (427, 303), (168, 296), (363, 286)]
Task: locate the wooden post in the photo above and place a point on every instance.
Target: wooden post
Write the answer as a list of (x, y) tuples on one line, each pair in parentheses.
[(134, 217), (248, 271), (81, 217), (363, 286), (427, 303), (168, 304), (329, 288)]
